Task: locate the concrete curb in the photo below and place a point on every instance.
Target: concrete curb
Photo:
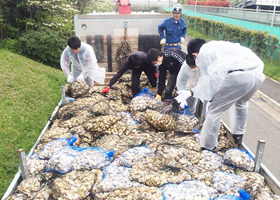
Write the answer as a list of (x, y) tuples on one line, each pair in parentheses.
[(268, 100)]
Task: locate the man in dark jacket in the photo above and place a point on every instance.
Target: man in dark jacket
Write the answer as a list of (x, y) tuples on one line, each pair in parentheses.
[(138, 63), (170, 60)]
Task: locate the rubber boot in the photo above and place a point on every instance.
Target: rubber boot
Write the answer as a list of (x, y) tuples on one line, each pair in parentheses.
[(237, 139)]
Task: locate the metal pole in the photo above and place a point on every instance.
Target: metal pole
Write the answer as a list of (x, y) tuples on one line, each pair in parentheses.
[(63, 96), (195, 5), (273, 15), (23, 164), (259, 155)]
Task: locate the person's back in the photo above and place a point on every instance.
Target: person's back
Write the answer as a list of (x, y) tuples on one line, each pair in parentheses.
[(137, 62)]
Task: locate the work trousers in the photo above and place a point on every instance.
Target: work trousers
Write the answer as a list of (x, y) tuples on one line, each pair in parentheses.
[(236, 90), (170, 85)]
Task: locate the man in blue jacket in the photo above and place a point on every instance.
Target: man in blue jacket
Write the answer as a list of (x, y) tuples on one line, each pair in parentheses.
[(173, 30)]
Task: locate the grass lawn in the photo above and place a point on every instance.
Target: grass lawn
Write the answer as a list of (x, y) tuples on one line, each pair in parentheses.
[(29, 92)]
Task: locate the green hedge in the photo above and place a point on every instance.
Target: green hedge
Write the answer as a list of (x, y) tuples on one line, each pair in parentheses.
[(263, 44), (44, 46)]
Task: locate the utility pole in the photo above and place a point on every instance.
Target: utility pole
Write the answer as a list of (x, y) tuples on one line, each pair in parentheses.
[(273, 15)]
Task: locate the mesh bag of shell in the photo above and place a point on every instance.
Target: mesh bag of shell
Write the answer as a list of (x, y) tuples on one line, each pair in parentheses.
[(55, 133), (133, 155), (186, 121), (209, 160), (109, 142), (75, 184), (92, 158), (62, 161), (142, 101), (245, 196), (84, 135), (178, 153), (78, 89), (101, 123), (186, 141), (116, 178), (157, 172), (223, 181), (52, 147), (240, 159), (188, 190), (161, 122), (35, 165), (127, 118), (30, 186), (132, 193)]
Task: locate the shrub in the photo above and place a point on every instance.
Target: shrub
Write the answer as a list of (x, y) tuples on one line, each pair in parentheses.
[(44, 46), (9, 44)]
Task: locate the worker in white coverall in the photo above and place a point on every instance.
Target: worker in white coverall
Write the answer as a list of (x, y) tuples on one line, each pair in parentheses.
[(230, 75), (81, 57), (187, 79)]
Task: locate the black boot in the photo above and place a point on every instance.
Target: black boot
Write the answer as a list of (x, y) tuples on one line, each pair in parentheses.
[(175, 106), (203, 148), (237, 139)]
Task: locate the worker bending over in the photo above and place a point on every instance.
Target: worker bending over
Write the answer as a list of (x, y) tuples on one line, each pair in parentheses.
[(138, 63), (230, 75), (186, 80), (170, 60), (81, 57)]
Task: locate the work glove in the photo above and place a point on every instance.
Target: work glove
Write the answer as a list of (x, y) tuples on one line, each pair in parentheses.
[(183, 104), (69, 78), (183, 95), (158, 97), (162, 41), (81, 77), (182, 40), (155, 75), (105, 90)]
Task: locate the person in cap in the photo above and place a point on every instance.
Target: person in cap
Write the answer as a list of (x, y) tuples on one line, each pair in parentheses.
[(173, 30), (230, 75), (137, 62), (81, 58), (169, 60)]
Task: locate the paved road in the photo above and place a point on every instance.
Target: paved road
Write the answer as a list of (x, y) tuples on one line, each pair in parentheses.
[(264, 123)]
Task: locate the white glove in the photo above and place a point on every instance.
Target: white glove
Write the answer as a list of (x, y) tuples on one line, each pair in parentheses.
[(81, 77), (162, 41), (183, 104), (69, 78), (182, 40), (183, 95)]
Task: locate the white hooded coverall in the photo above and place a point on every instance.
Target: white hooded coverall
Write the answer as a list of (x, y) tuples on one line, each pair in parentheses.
[(186, 80), (84, 62), (230, 75)]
